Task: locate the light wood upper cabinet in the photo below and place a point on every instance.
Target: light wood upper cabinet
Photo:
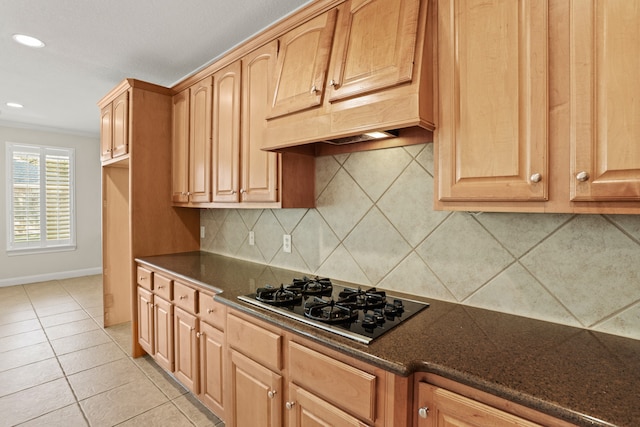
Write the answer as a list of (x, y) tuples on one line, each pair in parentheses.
[(180, 147), (260, 169), (374, 46), (114, 128), (200, 141), (303, 59), (605, 100), (492, 140), (226, 134)]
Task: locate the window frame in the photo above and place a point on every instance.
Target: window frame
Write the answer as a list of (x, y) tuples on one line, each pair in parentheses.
[(43, 245)]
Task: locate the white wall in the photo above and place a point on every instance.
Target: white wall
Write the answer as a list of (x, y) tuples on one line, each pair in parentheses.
[(87, 258)]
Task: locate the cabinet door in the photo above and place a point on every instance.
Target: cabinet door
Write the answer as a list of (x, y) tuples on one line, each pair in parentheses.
[(186, 349), (200, 141), (211, 367), (259, 168), (145, 320), (226, 134), (442, 408), (605, 100), (120, 125), (106, 132), (163, 333), (180, 148), (303, 59), (255, 394), (305, 409), (374, 46), (492, 132)]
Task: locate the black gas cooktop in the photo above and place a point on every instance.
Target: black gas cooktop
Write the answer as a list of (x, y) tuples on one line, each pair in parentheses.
[(362, 314)]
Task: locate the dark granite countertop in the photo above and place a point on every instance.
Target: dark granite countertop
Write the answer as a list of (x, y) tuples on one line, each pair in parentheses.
[(584, 377)]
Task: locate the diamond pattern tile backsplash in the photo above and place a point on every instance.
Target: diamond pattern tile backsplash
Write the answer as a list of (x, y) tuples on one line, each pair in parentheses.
[(374, 225)]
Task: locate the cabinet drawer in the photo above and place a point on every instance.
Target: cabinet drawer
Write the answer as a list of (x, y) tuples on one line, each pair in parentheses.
[(344, 386), (185, 297), (162, 286), (145, 278), (262, 345), (211, 311)]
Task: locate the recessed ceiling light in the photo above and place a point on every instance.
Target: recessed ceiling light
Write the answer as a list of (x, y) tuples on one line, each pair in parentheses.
[(14, 105), (28, 40)]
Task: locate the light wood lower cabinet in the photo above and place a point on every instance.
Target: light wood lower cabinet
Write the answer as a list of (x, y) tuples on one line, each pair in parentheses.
[(256, 394), (305, 409), (186, 349), (439, 402), (211, 341), (145, 320), (163, 333)]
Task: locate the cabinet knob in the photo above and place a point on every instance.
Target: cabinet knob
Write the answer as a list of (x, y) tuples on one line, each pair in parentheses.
[(423, 412), (182, 297), (160, 287), (272, 393), (233, 191), (536, 177), (314, 90), (582, 176), (143, 278), (290, 405), (333, 83), (210, 310), (199, 334), (242, 191)]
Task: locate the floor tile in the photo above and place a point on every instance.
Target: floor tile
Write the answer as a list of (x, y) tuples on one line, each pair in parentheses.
[(165, 382), (17, 316), (80, 341), (196, 411), (62, 318), (73, 328), (27, 376), (69, 416), (57, 309), (90, 358), (122, 403), (24, 356), (104, 377), (24, 339), (19, 327), (121, 334), (166, 415), (34, 402)]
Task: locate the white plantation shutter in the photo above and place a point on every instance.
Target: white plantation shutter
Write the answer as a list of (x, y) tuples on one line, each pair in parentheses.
[(40, 197)]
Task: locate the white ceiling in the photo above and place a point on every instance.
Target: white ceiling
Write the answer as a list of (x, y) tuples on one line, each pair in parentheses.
[(92, 45)]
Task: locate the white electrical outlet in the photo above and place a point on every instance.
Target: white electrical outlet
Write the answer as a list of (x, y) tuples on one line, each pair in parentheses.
[(286, 243), (202, 231), (252, 238)]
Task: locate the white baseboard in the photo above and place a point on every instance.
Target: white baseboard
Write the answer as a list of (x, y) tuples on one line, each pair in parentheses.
[(50, 276)]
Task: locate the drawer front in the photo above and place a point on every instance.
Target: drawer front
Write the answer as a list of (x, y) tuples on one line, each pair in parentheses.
[(145, 278), (263, 346), (211, 311), (162, 286), (185, 297), (344, 386)]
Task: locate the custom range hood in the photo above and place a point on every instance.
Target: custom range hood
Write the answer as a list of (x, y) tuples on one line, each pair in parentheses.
[(358, 75)]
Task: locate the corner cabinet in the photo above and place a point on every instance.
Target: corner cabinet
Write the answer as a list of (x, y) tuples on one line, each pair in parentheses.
[(364, 65), (137, 216), (537, 108)]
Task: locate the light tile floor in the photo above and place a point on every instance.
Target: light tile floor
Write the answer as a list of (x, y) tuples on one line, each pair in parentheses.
[(60, 367)]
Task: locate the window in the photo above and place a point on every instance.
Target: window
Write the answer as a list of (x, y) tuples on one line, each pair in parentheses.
[(40, 198)]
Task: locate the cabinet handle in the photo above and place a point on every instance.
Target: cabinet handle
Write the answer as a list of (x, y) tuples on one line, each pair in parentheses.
[(314, 90), (272, 393), (536, 177), (242, 191), (143, 278), (333, 83), (423, 412), (182, 297), (210, 310), (233, 191), (582, 176), (290, 405), (160, 287), (199, 334)]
